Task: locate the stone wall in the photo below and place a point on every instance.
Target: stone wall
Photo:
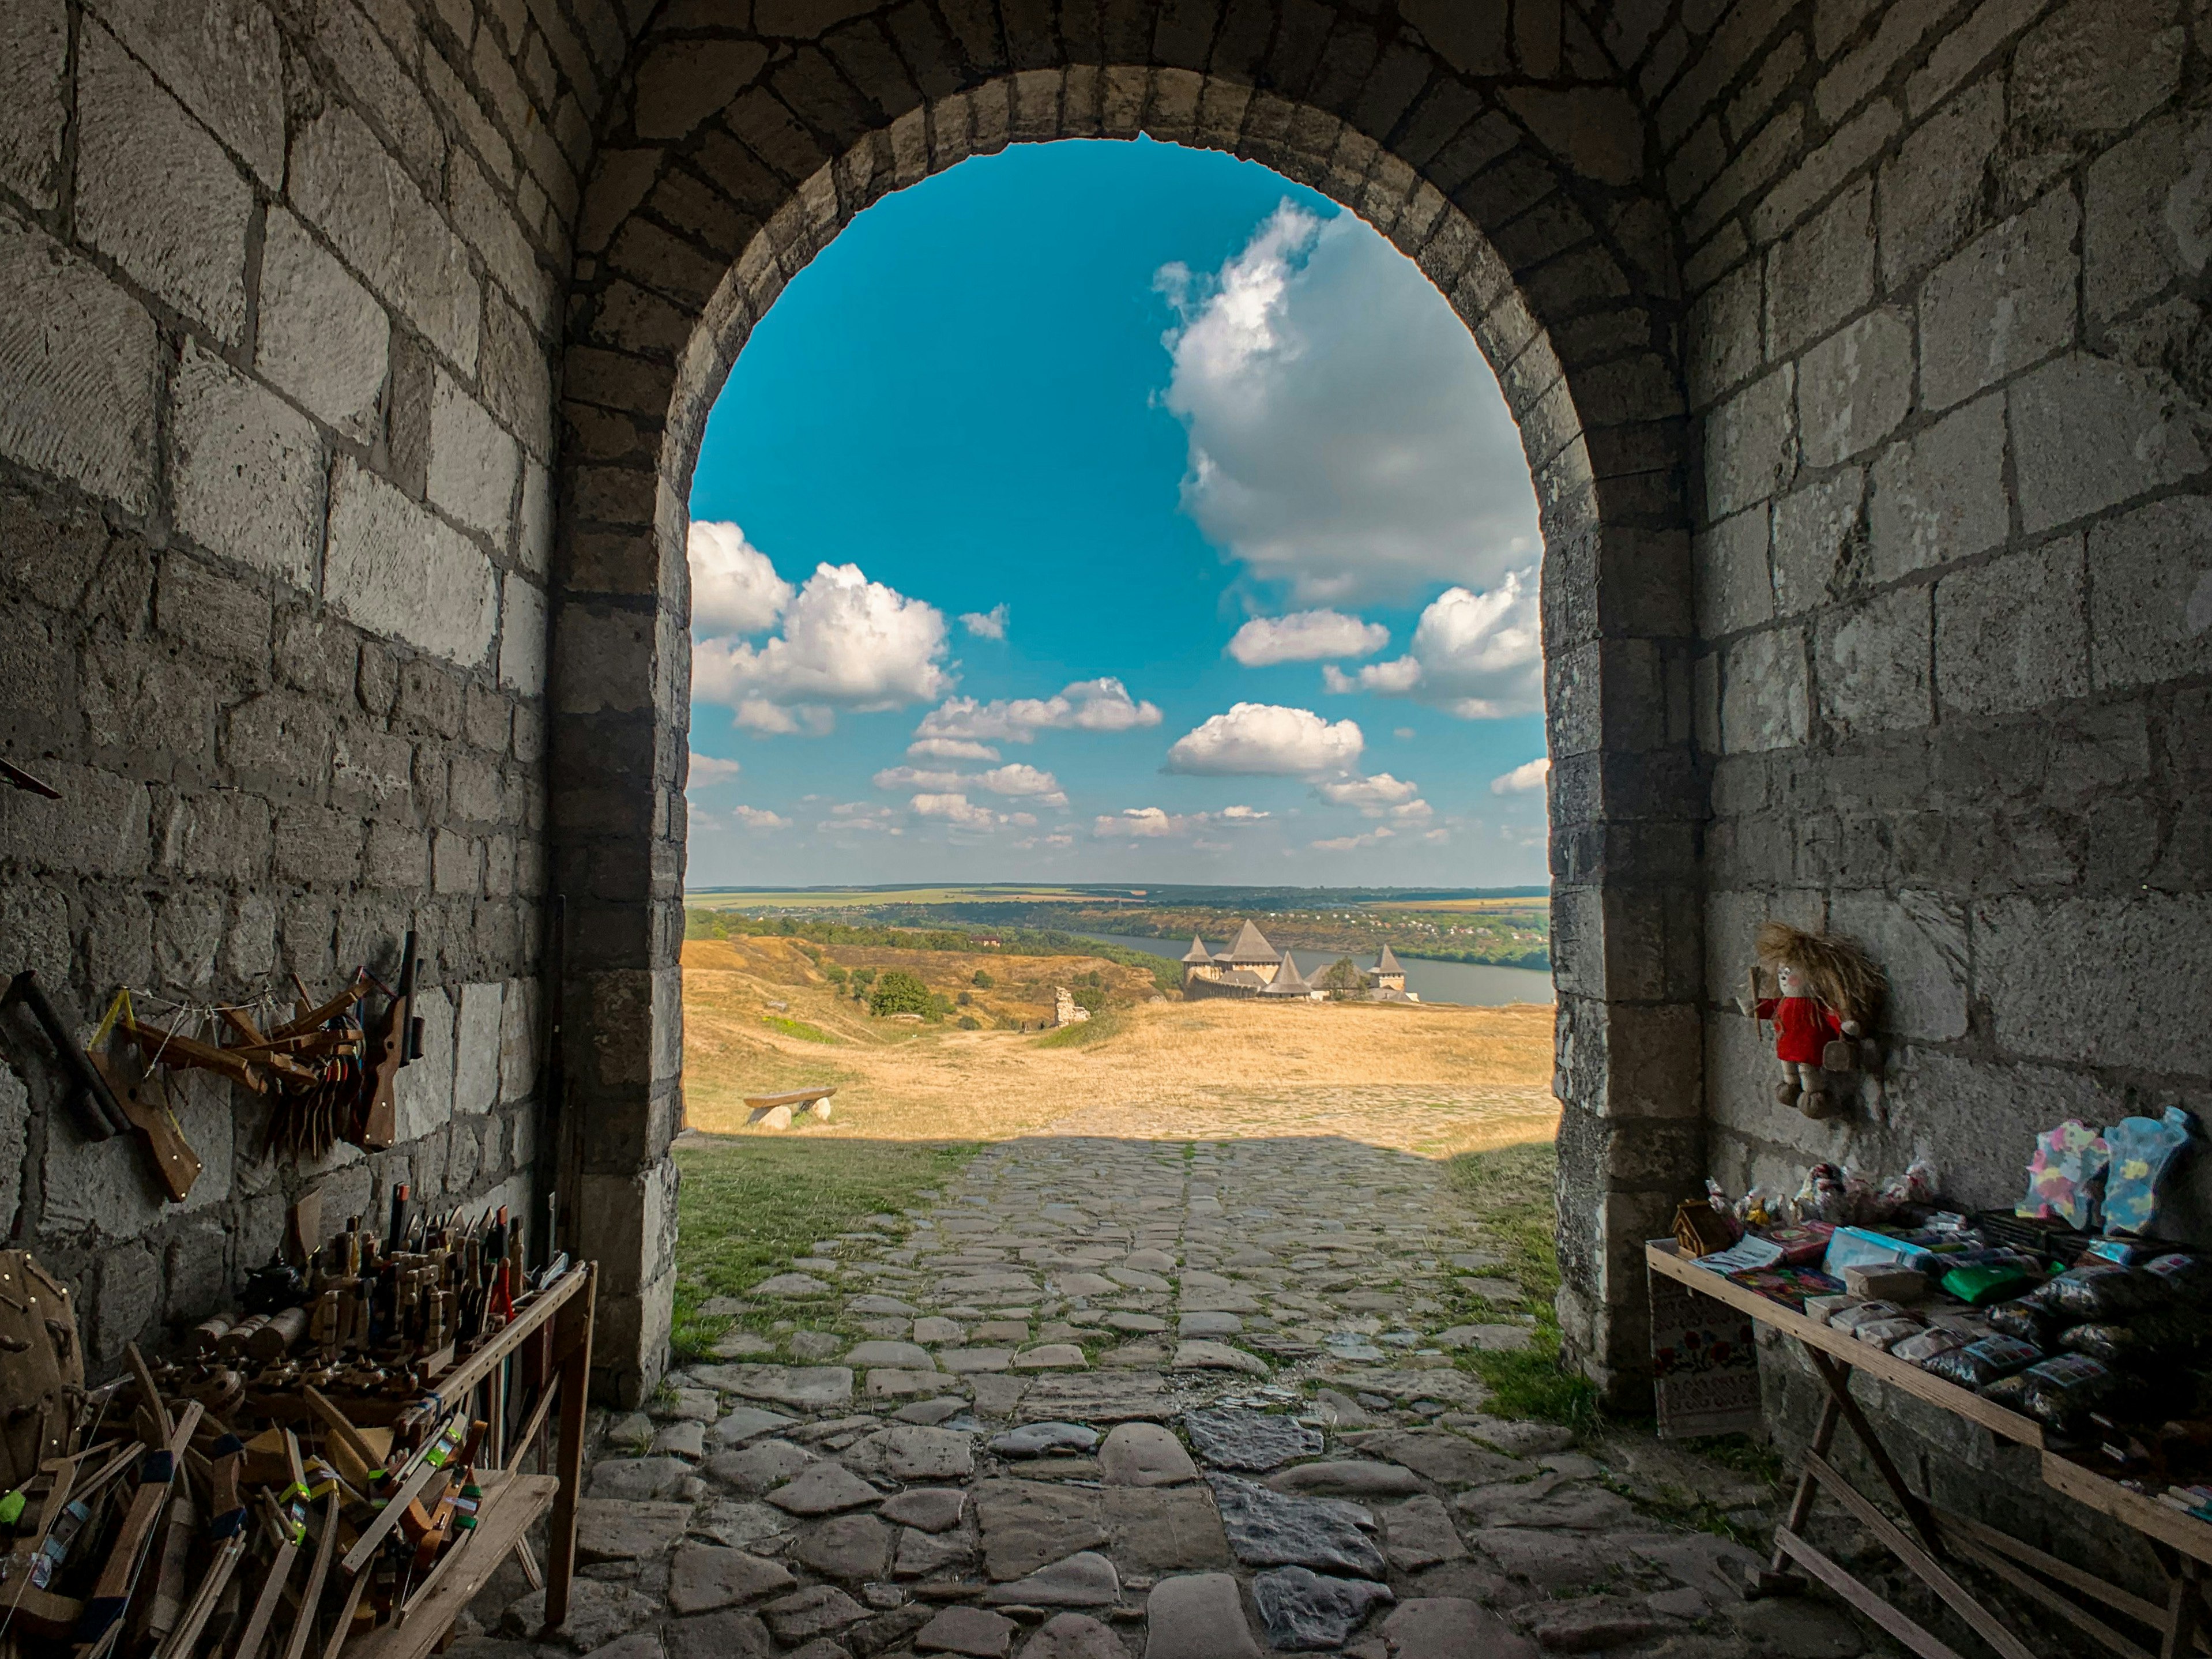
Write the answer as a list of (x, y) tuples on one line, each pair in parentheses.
[(278, 284)]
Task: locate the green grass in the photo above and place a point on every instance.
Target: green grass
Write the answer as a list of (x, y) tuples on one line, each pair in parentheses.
[(797, 1028), (746, 1209), (1508, 1188), (1102, 1023)]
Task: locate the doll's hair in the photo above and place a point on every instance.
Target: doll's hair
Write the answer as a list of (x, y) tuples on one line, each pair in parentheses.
[(1841, 974)]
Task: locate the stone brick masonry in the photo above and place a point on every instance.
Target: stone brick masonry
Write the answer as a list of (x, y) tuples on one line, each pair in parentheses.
[(1855, 346)]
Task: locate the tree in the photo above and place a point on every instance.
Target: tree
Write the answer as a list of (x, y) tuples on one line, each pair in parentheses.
[(1342, 980), (982, 981), (963, 999), (900, 993)]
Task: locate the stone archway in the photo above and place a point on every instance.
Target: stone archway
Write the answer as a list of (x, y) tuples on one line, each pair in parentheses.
[(1512, 169)]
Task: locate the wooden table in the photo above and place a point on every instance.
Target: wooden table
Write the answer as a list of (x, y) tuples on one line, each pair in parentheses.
[(2181, 1544)]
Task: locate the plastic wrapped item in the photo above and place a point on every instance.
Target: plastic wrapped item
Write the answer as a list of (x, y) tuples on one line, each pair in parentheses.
[(2187, 1278), (2066, 1177), (2143, 1151), (2025, 1320), (1759, 1207), (2009, 1392), (1997, 1282), (1886, 1333), (2151, 1339), (2103, 1290), (1856, 1247), (1914, 1189), (1977, 1365), (1865, 1314), (1825, 1308), (1802, 1244), (2063, 1391), (1924, 1346), (1821, 1198)]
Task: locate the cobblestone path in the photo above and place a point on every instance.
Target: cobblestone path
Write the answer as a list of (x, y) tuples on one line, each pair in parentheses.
[(1111, 1398)]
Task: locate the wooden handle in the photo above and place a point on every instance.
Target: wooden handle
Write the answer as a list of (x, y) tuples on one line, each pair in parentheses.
[(174, 1161)]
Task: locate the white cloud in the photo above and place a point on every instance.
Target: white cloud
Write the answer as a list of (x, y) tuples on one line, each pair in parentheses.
[(1478, 656), (962, 813), (1369, 794), (1412, 811), (1101, 705), (863, 816), (915, 779), (759, 817), (1153, 823), (986, 624), (1522, 779), (734, 588), (847, 642), (707, 770), (949, 748), (1403, 733), (1353, 844), (1345, 436), (1306, 637), (1265, 740), (1014, 780)]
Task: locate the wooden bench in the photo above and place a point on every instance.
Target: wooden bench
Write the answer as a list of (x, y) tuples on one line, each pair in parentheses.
[(763, 1108)]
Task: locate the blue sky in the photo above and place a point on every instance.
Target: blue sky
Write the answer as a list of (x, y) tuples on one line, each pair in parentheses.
[(1104, 512)]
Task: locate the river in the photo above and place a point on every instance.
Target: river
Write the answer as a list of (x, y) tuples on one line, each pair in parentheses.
[(1468, 982)]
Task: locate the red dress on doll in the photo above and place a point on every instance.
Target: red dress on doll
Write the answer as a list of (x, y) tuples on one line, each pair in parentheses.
[(1803, 1028)]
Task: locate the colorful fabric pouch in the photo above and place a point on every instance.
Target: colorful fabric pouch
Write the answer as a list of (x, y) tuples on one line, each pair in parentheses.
[(2143, 1151), (2066, 1176)]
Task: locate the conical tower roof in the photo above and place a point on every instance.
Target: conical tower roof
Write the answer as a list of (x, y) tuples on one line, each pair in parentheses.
[(1288, 978), (1198, 952), (1252, 945), (1387, 964)]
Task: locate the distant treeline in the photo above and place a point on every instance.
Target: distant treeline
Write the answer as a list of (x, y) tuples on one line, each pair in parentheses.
[(1011, 941)]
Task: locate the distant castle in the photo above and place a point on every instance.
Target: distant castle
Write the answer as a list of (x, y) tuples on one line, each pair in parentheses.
[(1253, 967)]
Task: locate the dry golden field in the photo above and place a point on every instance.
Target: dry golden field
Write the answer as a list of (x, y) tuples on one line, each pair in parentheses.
[(1435, 1080)]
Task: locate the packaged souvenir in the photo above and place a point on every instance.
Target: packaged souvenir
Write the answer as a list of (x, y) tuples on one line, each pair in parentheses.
[(2143, 1151), (2064, 1390), (1924, 1345), (1980, 1287), (2023, 1320), (1886, 1333), (2188, 1278), (1802, 1244), (1788, 1285), (1865, 1313), (2103, 1290), (2009, 1392), (1856, 1247), (1977, 1365), (1825, 1308), (2146, 1339), (2066, 1177)]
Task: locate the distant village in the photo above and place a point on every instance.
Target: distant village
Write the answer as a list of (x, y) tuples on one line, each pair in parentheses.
[(1253, 967)]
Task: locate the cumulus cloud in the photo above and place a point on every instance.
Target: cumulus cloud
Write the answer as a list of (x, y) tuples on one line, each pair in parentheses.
[(1478, 656), (1264, 739), (865, 816), (1522, 779), (962, 813), (1153, 823), (1306, 637), (951, 748), (1014, 780), (1375, 792), (1352, 843), (986, 624), (759, 817), (1101, 705), (707, 770), (1345, 436), (734, 588), (847, 643)]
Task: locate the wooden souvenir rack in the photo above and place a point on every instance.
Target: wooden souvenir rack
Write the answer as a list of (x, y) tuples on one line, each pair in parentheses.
[(1931, 1538)]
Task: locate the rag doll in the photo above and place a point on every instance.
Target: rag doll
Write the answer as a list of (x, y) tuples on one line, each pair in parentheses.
[(1828, 990)]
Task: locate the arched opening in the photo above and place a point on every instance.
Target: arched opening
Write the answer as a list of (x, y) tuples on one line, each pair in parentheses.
[(663, 319)]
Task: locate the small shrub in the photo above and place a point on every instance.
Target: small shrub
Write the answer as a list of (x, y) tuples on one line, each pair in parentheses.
[(963, 999), (982, 980), (898, 992), (969, 1022)]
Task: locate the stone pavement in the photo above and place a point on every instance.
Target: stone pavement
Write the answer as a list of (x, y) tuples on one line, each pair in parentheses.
[(1111, 1398)]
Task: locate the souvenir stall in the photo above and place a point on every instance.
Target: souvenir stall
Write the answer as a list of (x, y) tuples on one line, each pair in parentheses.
[(2066, 1324)]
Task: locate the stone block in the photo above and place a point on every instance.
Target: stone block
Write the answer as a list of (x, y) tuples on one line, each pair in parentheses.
[(2032, 958), (224, 61), (316, 844), (1765, 703), (322, 337), (101, 826), (1819, 531), (226, 835), (155, 193), (130, 1295), (2014, 634), (208, 614), (456, 868), (1855, 387), (681, 82), (278, 736), (1941, 495), (34, 98), (246, 470), (372, 769), (79, 371), (397, 570), (1751, 444), (361, 197), (1821, 273), (2004, 302), (2150, 613), (477, 1049), (519, 1040), (488, 224), (533, 546), (2147, 205), (626, 1223), (522, 635), (2088, 432), (1919, 938), (2089, 67), (1734, 588), (1931, 190), (423, 1090), (475, 463), (1873, 663)]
